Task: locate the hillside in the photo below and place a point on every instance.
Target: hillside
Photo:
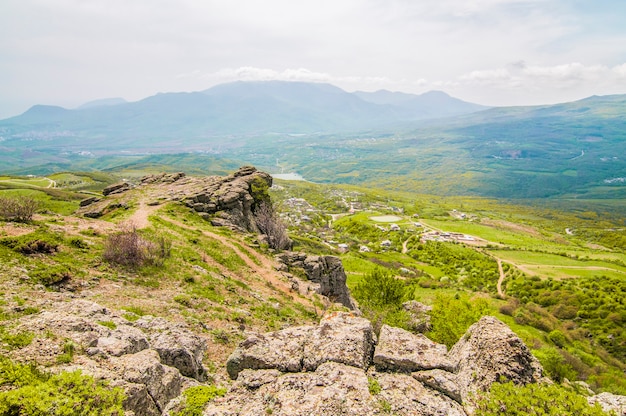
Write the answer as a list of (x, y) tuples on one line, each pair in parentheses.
[(207, 288)]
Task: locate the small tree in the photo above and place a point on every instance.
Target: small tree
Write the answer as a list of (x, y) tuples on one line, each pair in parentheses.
[(19, 209), (268, 223)]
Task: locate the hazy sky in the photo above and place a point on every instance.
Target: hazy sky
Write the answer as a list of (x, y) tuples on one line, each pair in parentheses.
[(493, 52)]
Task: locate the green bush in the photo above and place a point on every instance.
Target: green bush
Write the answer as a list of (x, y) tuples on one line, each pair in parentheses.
[(196, 398), (129, 249), (534, 400), (28, 391), (451, 317), (380, 297), (554, 364), (380, 289)]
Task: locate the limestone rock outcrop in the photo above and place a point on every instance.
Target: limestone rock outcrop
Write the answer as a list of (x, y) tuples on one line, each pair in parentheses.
[(338, 368), (229, 201), (149, 358), (490, 351), (402, 351), (340, 337), (324, 275), (610, 403)]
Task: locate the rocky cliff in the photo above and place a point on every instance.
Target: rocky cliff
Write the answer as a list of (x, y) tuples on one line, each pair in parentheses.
[(223, 200), (322, 274)]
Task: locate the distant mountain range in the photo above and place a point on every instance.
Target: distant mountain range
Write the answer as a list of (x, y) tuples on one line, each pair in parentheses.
[(238, 108), (430, 143)]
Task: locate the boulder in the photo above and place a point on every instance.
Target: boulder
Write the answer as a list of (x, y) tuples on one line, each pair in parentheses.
[(282, 350), (183, 350), (400, 350), (341, 337), (325, 272), (407, 396), (123, 340), (442, 381), (163, 383), (116, 188), (610, 403), (332, 389), (489, 352), (231, 199)]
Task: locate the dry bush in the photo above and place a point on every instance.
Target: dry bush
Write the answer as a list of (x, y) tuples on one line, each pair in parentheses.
[(128, 248), (268, 223), (19, 209)]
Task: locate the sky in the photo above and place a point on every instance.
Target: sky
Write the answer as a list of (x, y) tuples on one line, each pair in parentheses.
[(491, 52)]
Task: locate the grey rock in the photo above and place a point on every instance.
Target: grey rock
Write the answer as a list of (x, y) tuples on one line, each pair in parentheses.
[(400, 350), (88, 201), (229, 201), (183, 350), (123, 340), (333, 389), (253, 379), (442, 381), (610, 403), (163, 383), (488, 352), (407, 396), (282, 350), (326, 272), (340, 337), (116, 188)]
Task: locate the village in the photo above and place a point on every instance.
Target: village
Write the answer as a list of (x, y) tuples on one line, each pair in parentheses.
[(386, 219)]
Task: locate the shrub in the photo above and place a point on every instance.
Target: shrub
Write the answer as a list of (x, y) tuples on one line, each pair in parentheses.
[(450, 317), (554, 364), (380, 297), (270, 224), (379, 289), (28, 391), (534, 400), (196, 398), (19, 209), (128, 248)]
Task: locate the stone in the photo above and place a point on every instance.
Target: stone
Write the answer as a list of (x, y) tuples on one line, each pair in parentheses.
[(282, 350), (88, 201), (332, 389), (340, 337), (442, 381), (116, 188), (610, 403), (123, 340), (407, 396), (488, 352), (163, 383), (183, 350), (326, 272), (400, 350)]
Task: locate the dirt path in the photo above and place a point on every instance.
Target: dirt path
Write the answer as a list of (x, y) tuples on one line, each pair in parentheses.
[(500, 279), (139, 219), (404, 245)]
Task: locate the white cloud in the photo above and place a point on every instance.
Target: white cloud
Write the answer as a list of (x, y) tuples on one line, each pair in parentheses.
[(249, 73)]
